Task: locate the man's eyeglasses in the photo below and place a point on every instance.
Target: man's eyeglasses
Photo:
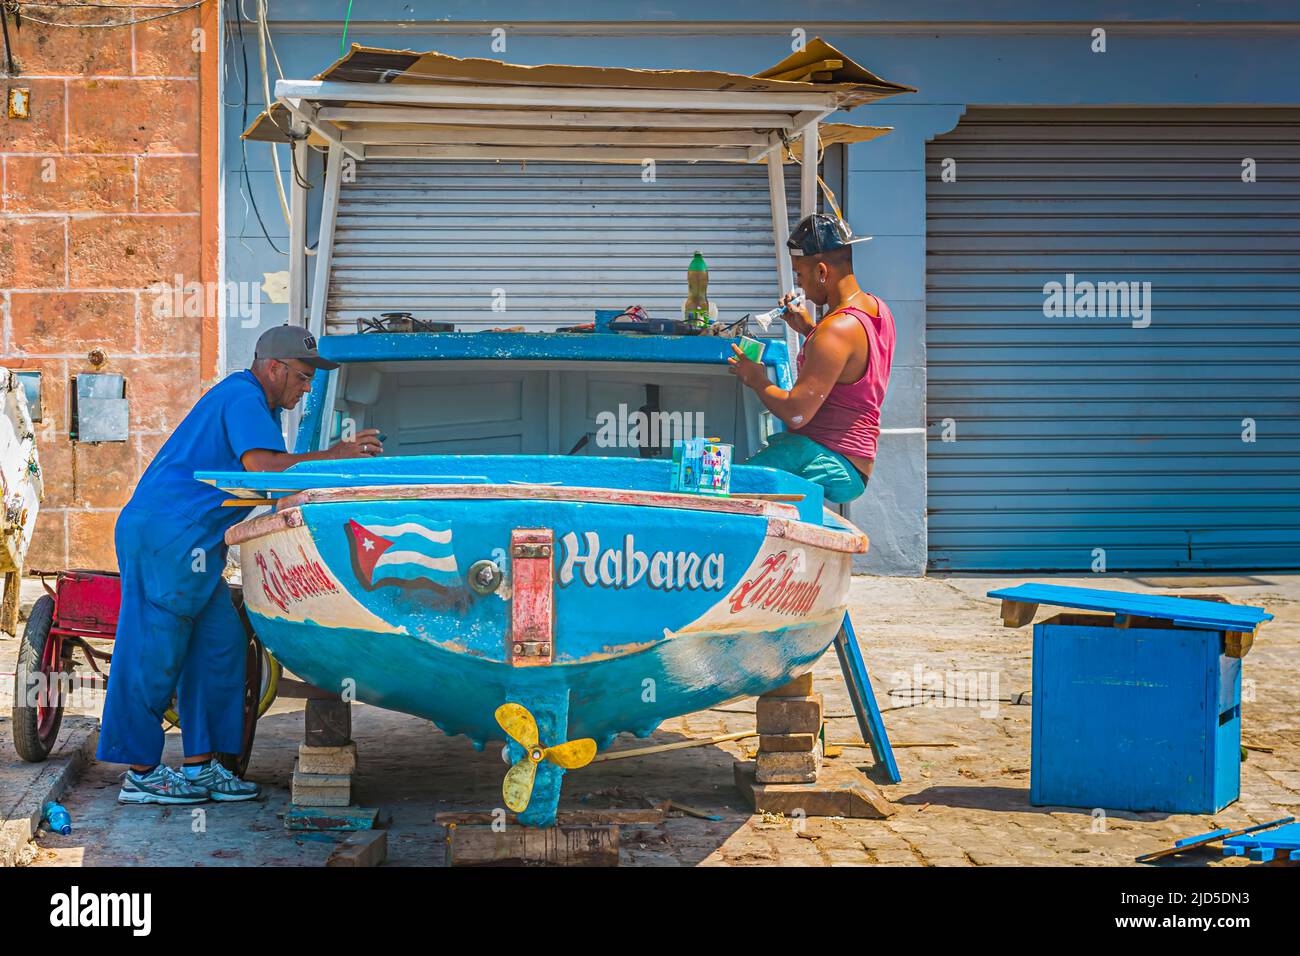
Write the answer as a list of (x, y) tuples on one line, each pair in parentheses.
[(303, 377)]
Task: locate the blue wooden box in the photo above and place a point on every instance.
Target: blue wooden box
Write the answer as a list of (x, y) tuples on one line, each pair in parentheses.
[(1139, 718)]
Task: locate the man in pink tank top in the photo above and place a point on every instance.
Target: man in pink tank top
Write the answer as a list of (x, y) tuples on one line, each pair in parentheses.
[(832, 415)]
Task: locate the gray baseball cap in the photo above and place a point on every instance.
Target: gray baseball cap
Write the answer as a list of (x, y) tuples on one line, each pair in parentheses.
[(291, 342)]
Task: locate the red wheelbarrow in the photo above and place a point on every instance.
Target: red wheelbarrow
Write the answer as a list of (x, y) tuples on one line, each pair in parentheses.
[(82, 607)]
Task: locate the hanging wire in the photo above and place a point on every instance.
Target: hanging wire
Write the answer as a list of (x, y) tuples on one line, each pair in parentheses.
[(171, 12), (347, 18), (250, 198)]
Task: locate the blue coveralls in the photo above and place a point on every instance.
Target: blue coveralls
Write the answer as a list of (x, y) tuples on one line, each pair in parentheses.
[(178, 631)]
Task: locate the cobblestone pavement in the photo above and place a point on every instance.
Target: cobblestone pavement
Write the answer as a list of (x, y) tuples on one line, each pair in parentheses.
[(964, 804)]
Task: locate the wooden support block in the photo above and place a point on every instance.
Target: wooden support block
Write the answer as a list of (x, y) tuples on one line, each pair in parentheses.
[(789, 715), (328, 723), (328, 759), (1238, 643), (799, 687), (840, 791), (368, 848), (789, 767), (330, 818), (652, 816), (1017, 613), (786, 743), (321, 789), (561, 845)]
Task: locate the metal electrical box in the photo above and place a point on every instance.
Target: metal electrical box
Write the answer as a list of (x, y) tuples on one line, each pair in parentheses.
[(31, 382), (99, 408)]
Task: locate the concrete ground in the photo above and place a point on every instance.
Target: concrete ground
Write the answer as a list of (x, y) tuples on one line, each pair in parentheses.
[(961, 804)]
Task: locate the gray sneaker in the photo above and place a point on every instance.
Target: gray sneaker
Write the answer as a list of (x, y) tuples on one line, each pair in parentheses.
[(162, 784), (223, 785)]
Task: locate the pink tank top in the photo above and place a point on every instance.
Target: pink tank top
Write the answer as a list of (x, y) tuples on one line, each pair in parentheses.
[(849, 420)]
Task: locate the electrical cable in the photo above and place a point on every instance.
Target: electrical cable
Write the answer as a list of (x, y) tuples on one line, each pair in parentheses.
[(347, 18), (266, 92), (249, 196), (171, 12)]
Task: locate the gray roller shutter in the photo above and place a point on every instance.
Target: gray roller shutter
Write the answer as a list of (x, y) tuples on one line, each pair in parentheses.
[(1079, 437), (558, 239)]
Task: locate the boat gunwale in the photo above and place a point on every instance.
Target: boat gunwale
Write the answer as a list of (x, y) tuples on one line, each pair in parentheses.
[(782, 519)]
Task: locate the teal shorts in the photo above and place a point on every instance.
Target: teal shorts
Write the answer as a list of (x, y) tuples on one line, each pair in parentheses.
[(792, 452)]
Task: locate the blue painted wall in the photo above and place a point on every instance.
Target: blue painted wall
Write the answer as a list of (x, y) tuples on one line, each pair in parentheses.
[(958, 54)]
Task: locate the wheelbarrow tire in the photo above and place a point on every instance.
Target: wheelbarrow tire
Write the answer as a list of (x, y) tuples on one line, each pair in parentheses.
[(31, 745), (238, 763)]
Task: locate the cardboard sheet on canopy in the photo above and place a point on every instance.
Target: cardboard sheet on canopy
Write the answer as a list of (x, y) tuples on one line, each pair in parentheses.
[(396, 103)]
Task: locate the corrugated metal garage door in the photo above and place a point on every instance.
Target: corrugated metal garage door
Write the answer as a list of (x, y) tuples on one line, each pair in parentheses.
[(1074, 434), (438, 239)]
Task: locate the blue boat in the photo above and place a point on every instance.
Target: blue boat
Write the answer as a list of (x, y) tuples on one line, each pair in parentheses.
[(576, 586), (517, 567)]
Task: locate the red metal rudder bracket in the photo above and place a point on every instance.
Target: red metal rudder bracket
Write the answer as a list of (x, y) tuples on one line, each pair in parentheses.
[(532, 601)]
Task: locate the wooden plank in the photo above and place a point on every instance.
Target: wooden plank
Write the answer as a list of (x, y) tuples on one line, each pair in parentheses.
[(840, 791), (367, 848), (1238, 643), (587, 845), (870, 722), (651, 816), (330, 818), (677, 745), (1017, 613), (616, 496), (1205, 839), (604, 119), (802, 72)]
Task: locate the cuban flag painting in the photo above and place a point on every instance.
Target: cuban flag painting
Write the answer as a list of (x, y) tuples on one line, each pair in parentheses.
[(409, 555)]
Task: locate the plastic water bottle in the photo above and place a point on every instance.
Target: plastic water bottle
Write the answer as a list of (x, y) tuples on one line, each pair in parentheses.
[(58, 818), (695, 310)]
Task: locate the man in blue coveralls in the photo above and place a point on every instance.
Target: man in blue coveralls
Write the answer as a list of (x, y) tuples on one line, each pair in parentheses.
[(178, 632)]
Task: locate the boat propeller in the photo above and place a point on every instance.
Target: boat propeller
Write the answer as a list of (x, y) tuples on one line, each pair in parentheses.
[(516, 721)]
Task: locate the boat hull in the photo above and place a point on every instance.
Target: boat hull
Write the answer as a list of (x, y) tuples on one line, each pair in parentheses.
[(656, 612)]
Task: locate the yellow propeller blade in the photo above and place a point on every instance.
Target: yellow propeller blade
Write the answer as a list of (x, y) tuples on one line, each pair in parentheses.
[(519, 724), (518, 786), (572, 754)]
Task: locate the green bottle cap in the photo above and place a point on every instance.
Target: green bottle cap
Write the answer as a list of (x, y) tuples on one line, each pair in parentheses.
[(698, 264)]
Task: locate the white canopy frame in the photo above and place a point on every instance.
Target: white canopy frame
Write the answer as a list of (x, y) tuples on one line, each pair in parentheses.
[(450, 121)]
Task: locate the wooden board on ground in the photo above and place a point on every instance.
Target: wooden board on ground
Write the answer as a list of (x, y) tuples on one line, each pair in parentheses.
[(330, 818), (652, 816), (560, 845), (840, 791), (366, 848)]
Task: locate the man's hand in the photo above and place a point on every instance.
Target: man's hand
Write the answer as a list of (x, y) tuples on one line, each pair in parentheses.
[(797, 316), (747, 370), (365, 445)]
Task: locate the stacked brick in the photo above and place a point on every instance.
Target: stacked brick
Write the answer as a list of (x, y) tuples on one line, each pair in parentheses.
[(327, 758), (109, 189), (789, 734)]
